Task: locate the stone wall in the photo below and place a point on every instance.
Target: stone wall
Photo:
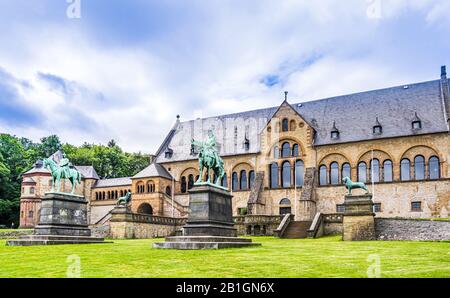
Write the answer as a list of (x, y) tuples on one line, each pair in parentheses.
[(14, 234), (411, 229)]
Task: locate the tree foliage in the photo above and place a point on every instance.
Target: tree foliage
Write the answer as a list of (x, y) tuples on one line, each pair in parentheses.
[(18, 155)]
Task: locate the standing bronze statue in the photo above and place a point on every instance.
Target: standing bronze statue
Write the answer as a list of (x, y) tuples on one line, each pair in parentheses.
[(62, 171), (209, 158)]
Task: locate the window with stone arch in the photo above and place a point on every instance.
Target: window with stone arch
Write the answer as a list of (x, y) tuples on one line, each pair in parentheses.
[(224, 181), (276, 152), (387, 171), (286, 174), (168, 191), (150, 187), (419, 167), (190, 181), (334, 173), (285, 206), (362, 172), (295, 150), (323, 175), (243, 180), (273, 170), (346, 170), (251, 179), (299, 172), (235, 181), (405, 169), (140, 188), (183, 186), (285, 124), (286, 150), (434, 168), (375, 170)]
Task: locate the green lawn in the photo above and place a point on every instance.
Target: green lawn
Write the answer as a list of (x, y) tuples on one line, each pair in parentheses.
[(324, 257)]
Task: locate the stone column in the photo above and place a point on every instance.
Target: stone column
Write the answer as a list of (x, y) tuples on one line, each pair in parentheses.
[(358, 223)]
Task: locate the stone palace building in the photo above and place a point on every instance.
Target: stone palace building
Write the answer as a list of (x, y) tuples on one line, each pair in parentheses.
[(292, 158)]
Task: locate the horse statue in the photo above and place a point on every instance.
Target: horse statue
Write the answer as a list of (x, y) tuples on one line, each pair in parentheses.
[(123, 201), (62, 171), (209, 158), (349, 184)]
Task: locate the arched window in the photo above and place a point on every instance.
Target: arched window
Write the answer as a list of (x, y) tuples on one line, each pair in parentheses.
[(405, 170), (285, 124), (285, 206), (168, 191), (190, 181), (285, 150), (323, 176), (419, 167), (346, 170), (286, 174), (243, 180), (334, 173), (274, 175), (387, 171), (251, 179), (299, 172), (375, 170), (139, 189), (235, 182), (362, 172), (276, 152), (433, 167), (150, 187), (295, 150), (96, 196), (224, 180), (183, 184)]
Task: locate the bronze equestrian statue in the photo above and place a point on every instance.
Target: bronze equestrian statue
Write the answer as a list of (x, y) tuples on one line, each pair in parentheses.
[(62, 171)]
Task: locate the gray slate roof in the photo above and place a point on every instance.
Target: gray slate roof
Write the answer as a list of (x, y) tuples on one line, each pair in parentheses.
[(153, 170), (354, 115), (87, 172), (113, 182)]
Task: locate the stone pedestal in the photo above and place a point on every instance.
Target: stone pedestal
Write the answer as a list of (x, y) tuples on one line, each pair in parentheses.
[(210, 223), (63, 220), (358, 222)]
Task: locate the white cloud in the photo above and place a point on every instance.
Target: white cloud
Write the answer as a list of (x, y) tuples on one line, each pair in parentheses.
[(211, 65)]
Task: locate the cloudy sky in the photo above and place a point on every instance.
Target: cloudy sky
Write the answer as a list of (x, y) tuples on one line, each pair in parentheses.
[(123, 69)]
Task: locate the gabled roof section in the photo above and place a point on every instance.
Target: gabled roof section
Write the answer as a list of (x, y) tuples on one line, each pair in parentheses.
[(153, 170), (286, 103)]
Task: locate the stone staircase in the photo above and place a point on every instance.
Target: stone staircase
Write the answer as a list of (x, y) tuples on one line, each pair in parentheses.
[(297, 229)]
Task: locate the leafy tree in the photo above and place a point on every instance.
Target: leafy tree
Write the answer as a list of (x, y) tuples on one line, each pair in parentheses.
[(49, 145)]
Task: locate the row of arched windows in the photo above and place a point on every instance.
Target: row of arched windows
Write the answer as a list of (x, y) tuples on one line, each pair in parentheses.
[(282, 177), (111, 194), (377, 172), (187, 183), (286, 150), (145, 188), (241, 181)]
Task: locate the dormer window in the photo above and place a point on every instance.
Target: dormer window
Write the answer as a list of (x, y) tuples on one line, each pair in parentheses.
[(377, 129), (168, 153), (416, 123), (334, 132), (193, 152)]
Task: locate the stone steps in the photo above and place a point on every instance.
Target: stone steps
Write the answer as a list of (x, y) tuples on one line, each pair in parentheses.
[(53, 240), (297, 229), (202, 245), (207, 239)]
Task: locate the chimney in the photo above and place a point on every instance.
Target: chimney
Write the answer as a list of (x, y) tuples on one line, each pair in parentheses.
[(443, 72)]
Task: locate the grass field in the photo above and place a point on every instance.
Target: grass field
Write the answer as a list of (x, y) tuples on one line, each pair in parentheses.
[(324, 257)]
